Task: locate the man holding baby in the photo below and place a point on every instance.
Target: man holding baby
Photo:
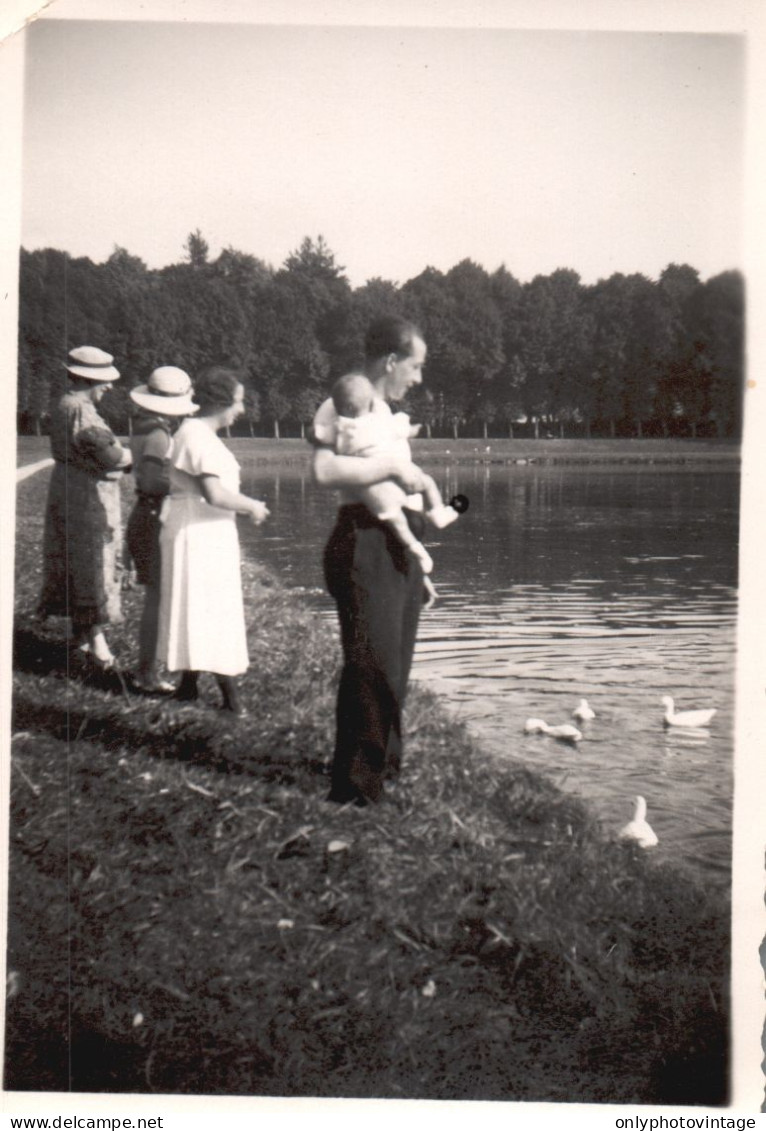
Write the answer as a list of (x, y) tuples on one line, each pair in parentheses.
[(375, 565)]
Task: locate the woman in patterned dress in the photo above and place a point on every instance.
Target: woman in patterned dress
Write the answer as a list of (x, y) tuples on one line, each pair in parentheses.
[(82, 541)]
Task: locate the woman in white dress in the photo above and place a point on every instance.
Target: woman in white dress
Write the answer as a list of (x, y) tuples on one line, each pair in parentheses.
[(202, 620)]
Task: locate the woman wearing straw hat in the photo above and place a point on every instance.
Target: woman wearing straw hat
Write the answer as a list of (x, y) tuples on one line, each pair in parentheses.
[(83, 533), (164, 400), (202, 619)]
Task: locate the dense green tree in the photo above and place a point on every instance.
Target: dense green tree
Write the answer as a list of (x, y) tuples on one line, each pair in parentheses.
[(610, 302), (427, 302), (372, 300), (33, 398), (62, 303), (196, 249), (536, 321), (510, 392), (277, 403), (139, 329), (719, 313), (210, 320), (569, 348), (287, 357), (626, 354), (124, 269), (322, 295), (506, 293), (693, 386), (422, 406), (305, 404), (246, 274), (451, 411), (252, 413), (679, 284), (473, 352), (648, 350), (486, 412)]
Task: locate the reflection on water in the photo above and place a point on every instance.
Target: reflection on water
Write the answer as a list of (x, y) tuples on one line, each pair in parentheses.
[(614, 584)]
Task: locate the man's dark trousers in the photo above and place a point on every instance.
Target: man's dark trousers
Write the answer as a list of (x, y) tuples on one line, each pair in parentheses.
[(378, 587)]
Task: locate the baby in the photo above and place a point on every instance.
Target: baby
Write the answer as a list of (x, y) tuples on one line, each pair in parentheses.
[(363, 432)]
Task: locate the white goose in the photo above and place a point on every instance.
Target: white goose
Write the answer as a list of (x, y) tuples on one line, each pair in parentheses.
[(639, 828), (673, 718), (565, 732), (583, 712), (535, 726)]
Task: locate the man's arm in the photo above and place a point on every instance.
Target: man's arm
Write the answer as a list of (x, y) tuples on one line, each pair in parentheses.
[(332, 470)]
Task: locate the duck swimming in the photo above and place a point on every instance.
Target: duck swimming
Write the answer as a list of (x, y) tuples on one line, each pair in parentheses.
[(583, 712), (673, 718), (565, 732), (639, 829), (535, 726)]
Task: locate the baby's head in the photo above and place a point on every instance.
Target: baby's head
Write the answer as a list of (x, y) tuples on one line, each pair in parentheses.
[(352, 395)]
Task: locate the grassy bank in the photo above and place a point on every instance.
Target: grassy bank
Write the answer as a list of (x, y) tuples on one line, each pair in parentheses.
[(188, 914), (660, 452)]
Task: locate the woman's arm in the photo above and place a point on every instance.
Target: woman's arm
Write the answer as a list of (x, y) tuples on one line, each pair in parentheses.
[(219, 496), (332, 470), (151, 471), (98, 449)]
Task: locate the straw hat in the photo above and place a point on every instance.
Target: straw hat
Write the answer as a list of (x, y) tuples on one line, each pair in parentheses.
[(92, 363), (167, 392)]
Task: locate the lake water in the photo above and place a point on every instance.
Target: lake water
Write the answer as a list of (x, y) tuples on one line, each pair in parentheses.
[(614, 583)]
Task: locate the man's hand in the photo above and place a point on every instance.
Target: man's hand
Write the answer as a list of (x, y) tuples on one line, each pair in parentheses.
[(429, 593)]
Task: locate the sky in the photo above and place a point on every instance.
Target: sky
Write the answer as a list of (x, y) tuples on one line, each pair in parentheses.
[(403, 147)]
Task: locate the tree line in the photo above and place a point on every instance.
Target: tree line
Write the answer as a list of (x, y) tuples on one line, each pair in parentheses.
[(626, 356)]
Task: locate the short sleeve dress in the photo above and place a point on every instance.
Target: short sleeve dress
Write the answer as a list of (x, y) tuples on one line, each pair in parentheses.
[(201, 618), (82, 540)]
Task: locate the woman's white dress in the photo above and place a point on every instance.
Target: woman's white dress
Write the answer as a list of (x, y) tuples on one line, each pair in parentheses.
[(201, 619)]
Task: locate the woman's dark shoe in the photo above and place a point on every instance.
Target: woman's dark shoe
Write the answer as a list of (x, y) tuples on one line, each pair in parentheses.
[(347, 796), (187, 690), (231, 698), (95, 671)]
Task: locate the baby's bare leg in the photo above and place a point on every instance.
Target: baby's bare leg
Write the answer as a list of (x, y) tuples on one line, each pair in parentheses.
[(437, 512), (384, 500), (431, 493), (400, 527)]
